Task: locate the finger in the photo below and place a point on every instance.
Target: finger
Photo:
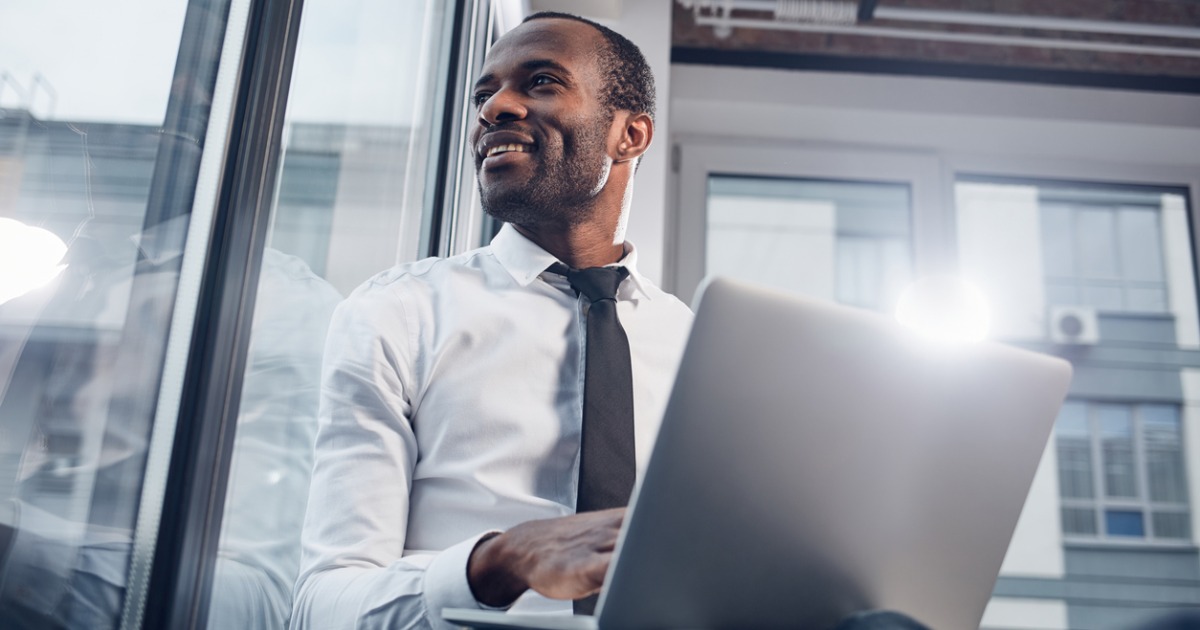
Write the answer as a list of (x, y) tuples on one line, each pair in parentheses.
[(599, 567), (598, 571)]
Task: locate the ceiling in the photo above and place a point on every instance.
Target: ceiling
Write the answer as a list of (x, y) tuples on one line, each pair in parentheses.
[(1137, 44)]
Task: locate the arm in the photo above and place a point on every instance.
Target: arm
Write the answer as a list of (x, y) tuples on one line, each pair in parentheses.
[(353, 572)]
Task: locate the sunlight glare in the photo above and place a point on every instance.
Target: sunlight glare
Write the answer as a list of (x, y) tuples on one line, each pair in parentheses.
[(29, 258), (946, 310)]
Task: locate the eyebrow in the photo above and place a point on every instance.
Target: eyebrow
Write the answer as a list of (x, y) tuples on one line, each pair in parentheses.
[(532, 65)]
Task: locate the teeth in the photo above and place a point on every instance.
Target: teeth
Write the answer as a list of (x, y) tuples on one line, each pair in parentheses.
[(504, 148)]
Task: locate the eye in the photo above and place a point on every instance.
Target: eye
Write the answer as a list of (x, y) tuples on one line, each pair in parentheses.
[(479, 98), (542, 79)]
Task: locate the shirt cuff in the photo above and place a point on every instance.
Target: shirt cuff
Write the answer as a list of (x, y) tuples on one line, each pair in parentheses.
[(446, 583)]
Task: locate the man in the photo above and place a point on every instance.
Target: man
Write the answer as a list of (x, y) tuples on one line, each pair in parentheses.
[(448, 453)]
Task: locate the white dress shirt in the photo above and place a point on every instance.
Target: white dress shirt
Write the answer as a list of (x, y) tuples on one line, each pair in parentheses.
[(451, 406)]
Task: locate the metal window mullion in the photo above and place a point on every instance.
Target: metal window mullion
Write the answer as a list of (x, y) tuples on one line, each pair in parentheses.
[(1140, 469), (211, 41), (1097, 470), (188, 534), (470, 23)]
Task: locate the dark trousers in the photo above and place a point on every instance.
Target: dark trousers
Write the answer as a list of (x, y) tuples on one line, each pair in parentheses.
[(880, 620)]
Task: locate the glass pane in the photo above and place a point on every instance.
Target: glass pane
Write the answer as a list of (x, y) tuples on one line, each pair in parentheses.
[(1103, 296), (1072, 420), (1079, 521), (1164, 453), (1124, 523), (348, 205), (1160, 423), (1075, 468), (1121, 469), (1146, 299), (1116, 445), (1095, 234), (847, 241), (1141, 244), (1114, 421), (1033, 245), (1063, 293), (1172, 525), (1074, 452), (1058, 240), (102, 129)]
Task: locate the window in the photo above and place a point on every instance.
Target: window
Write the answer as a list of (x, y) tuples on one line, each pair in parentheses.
[(135, 190), (350, 204), (106, 158), (1123, 250), (1121, 472), (841, 240), (1106, 256)]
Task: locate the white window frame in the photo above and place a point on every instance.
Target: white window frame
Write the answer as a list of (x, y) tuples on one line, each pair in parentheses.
[(931, 175), (702, 157), (1101, 502)]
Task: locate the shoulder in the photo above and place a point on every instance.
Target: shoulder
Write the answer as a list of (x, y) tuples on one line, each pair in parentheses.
[(385, 317), (426, 275), (667, 302)]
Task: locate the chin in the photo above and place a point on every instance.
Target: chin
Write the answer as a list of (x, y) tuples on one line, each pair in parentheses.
[(523, 212)]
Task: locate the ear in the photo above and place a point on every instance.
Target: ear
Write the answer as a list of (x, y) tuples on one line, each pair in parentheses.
[(636, 131)]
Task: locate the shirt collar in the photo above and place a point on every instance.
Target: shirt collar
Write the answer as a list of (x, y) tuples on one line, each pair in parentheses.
[(524, 260)]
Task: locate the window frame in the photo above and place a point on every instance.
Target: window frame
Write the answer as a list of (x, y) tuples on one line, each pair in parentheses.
[(702, 157), (191, 449), (1100, 502), (1121, 282), (1050, 170)]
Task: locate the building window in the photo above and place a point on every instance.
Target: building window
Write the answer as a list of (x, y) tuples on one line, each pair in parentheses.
[(848, 241), (1121, 472), (1106, 256)]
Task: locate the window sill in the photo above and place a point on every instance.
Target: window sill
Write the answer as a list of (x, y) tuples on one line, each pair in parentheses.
[(1131, 545)]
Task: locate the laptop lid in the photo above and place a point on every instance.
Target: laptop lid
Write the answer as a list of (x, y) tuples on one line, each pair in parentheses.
[(816, 459)]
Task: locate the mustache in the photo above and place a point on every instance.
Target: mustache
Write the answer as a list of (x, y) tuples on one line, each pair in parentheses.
[(513, 126)]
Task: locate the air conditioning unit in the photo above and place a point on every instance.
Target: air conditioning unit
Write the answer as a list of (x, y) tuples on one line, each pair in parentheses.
[(1074, 325)]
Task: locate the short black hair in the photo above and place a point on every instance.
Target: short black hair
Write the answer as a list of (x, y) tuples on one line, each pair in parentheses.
[(628, 81)]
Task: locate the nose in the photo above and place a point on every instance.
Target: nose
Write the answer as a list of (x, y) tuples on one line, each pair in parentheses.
[(503, 106)]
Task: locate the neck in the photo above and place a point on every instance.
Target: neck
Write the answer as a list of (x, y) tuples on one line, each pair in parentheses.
[(579, 246), (599, 239)]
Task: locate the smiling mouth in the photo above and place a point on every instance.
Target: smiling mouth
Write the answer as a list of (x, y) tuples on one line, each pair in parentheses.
[(508, 148)]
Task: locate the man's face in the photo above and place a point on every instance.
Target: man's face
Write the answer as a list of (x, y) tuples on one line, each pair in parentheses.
[(541, 134)]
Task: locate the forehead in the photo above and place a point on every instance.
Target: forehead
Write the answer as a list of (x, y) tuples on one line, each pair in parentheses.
[(573, 45)]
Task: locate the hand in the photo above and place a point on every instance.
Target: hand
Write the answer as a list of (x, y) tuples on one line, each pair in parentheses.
[(561, 558)]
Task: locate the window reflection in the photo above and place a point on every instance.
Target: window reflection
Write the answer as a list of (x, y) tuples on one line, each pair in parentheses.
[(348, 204), (100, 145)]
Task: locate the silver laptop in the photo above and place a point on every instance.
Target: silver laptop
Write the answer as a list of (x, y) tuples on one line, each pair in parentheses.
[(816, 460)]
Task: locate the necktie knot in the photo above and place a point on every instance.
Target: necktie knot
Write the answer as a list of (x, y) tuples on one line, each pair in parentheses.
[(597, 283)]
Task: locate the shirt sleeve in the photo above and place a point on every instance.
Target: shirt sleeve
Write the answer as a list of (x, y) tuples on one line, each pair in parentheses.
[(353, 570)]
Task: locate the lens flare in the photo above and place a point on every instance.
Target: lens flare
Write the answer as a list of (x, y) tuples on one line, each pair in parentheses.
[(30, 257), (946, 310)]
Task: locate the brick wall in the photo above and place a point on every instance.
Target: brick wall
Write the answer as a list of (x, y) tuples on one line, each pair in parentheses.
[(687, 34)]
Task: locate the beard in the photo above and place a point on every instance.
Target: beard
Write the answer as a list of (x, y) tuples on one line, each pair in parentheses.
[(562, 188)]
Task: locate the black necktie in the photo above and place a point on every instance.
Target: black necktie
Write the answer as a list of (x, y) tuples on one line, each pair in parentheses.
[(607, 466)]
